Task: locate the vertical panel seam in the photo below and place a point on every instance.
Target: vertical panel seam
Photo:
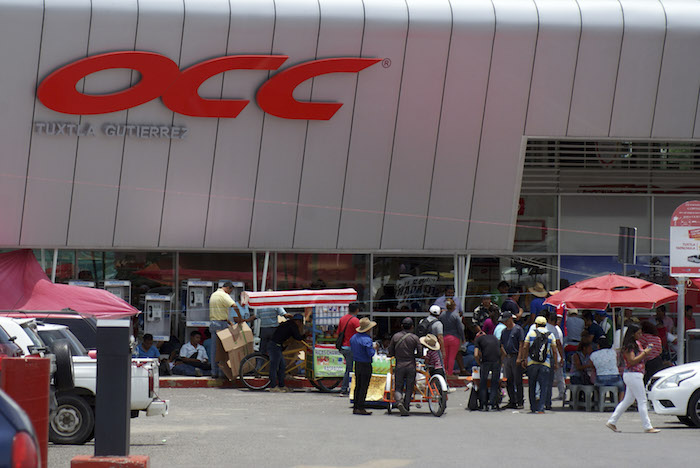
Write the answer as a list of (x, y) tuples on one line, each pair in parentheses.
[(172, 122), (534, 63), (352, 125), (661, 67), (306, 133), (437, 134), (126, 120), (483, 118), (619, 64), (31, 131), (216, 134), (396, 121), (77, 141), (262, 134), (578, 53)]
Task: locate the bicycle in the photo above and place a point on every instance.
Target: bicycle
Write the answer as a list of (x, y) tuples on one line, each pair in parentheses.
[(434, 391), (254, 370)]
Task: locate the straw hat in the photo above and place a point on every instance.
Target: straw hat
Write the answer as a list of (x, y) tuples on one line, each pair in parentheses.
[(538, 290), (430, 341), (365, 324)]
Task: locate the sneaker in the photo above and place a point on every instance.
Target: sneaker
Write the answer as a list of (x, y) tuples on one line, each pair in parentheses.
[(653, 430), (520, 406), (197, 371), (362, 412), (402, 409), (287, 390), (612, 427), (510, 406), (276, 390), (343, 394), (451, 389), (558, 398)]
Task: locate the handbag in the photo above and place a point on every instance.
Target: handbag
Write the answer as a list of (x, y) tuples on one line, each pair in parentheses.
[(341, 336)]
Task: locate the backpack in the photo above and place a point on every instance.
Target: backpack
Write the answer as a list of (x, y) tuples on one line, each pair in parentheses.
[(539, 349), (424, 326)]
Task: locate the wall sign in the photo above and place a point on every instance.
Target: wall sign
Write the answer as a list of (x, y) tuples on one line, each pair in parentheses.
[(148, 131), (685, 240)]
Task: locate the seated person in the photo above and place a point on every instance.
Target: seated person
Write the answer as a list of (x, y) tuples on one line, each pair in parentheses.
[(433, 358), (581, 365), (605, 362), (146, 348), (193, 359)]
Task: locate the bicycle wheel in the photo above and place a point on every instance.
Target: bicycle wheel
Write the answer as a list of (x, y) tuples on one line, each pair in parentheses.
[(255, 371), (326, 384), (437, 397)]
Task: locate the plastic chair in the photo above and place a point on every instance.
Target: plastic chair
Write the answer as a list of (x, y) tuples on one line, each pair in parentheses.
[(588, 393), (572, 391), (603, 392)]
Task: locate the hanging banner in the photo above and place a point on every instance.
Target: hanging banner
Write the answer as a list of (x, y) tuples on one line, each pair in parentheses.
[(685, 240)]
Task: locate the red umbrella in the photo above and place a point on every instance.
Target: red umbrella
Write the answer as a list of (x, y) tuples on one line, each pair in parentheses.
[(612, 291)]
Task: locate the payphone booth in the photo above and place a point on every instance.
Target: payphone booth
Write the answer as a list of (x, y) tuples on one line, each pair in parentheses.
[(85, 284), (198, 293), (120, 288), (238, 288), (156, 310)]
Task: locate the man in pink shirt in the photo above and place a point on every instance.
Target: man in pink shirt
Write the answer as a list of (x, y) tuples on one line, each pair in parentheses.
[(348, 325)]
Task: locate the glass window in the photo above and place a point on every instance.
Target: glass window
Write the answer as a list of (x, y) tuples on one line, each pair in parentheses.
[(591, 223), (215, 266), (663, 209), (536, 225), (579, 267), (321, 271), (64, 264)]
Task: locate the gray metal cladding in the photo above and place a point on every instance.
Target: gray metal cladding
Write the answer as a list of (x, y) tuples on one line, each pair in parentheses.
[(424, 155)]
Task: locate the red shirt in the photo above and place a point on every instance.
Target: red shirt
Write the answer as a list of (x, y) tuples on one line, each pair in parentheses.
[(351, 329), (689, 323)]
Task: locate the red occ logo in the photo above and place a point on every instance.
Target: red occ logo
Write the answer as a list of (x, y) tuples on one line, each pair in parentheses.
[(161, 77)]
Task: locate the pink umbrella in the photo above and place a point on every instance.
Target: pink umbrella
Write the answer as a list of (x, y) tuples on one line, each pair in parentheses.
[(612, 291)]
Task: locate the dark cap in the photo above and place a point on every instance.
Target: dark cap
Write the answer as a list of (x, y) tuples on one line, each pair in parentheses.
[(407, 321), (298, 317), (506, 315), (227, 284)]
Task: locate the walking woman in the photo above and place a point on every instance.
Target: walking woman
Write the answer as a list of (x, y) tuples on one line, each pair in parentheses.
[(633, 377), (453, 334)]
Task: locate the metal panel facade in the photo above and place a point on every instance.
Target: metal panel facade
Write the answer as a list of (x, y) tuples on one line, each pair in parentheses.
[(425, 153)]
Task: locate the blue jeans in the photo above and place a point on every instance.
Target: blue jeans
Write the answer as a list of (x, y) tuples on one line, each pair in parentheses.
[(187, 369), (610, 380), (538, 374), (347, 354), (277, 364), (215, 326)]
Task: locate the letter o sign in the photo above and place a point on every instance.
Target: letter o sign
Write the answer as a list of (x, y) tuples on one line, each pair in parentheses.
[(57, 91)]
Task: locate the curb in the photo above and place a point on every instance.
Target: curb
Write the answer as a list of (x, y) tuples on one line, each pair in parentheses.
[(298, 382)]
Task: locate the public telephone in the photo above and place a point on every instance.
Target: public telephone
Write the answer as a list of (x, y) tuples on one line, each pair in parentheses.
[(120, 288), (238, 288), (157, 316), (86, 284), (198, 293)]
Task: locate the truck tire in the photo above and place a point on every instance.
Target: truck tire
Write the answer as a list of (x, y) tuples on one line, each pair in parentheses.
[(73, 422), (63, 379)]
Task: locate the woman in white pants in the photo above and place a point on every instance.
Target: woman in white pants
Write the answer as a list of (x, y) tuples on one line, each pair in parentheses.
[(634, 380)]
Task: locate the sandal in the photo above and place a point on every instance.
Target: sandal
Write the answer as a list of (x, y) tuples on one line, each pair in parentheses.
[(612, 427), (653, 430)]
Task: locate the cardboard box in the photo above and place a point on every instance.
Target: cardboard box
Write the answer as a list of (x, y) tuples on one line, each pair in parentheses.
[(234, 343)]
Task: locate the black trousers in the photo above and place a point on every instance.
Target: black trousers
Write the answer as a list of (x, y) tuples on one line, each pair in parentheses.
[(494, 387), (363, 373), (404, 382)]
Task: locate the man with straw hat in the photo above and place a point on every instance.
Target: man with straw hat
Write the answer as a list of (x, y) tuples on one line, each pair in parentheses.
[(362, 349), (540, 293), (433, 358)]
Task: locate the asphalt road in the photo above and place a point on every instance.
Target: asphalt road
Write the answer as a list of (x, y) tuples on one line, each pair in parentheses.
[(305, 429)]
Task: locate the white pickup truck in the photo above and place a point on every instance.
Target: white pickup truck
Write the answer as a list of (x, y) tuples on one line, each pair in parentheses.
[(73, 422)]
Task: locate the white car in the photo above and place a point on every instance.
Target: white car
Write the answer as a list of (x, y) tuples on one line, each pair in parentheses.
[(676, 391), (74, 420)]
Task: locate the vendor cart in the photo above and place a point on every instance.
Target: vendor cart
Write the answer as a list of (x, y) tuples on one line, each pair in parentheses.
[(427, 389), (323, 365)]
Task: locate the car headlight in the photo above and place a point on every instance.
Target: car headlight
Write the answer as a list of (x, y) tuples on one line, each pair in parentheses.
[(675, 380)]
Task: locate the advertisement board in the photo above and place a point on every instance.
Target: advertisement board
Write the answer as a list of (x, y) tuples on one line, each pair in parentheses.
[(685, 240), (328, 362)]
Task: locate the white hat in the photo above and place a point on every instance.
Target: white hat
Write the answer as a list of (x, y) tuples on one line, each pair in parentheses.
[(435, 309)]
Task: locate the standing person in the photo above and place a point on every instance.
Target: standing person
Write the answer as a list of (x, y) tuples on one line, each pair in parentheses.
[(490, 323), (219, 303), (689, 320), (633, 377), (453, 330), (539, 363), (449, 294), (289, 329), (661, 317), (557, 376), (501, 293), (362, 351), (574, 327), (431, 325), (605, 324), (512, 347), (537, 304), (348, 326), (269, 322), (511, 305), (485, 309), (405, 347), (488, 355), (592, 326)]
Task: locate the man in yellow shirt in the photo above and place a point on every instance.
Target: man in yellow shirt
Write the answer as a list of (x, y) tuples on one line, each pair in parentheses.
[(219, 304)]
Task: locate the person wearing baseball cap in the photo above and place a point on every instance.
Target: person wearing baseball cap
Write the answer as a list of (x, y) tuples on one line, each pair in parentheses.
[(362, 351), (289, 329), (432, 325), (539, 348), (405, 347)]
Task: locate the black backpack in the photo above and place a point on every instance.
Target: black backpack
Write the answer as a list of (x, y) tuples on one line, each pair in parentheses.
[(539, 349), (424, 326)]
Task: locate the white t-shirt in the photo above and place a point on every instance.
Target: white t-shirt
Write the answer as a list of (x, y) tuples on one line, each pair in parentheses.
[(605, 362), (188, 350)]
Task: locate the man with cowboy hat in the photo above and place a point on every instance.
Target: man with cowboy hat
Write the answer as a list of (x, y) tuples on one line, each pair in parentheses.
[(405, 346), (540, 293), (433, 358), (362, 349)]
